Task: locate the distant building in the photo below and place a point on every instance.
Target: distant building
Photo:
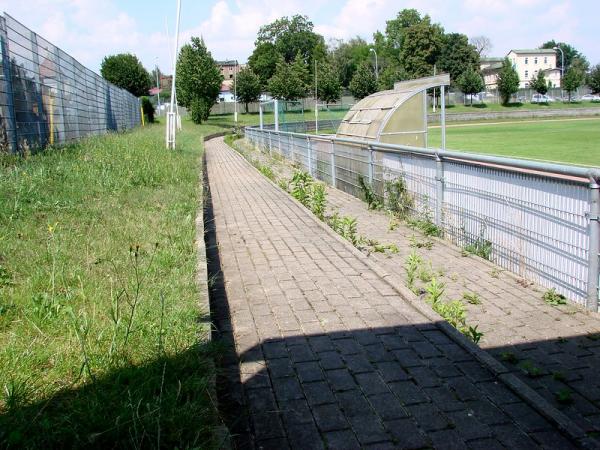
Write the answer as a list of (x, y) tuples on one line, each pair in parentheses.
[(166, 81), (490, 67), (527, 62), (229, 67)]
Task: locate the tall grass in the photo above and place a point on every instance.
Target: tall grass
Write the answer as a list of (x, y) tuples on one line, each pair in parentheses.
[(101, 335)]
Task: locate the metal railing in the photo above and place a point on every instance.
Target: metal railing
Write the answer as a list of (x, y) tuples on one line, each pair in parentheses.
[(537, 220), (47, 97)]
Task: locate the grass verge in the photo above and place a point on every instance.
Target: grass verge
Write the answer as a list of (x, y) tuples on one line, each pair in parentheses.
[(102, 341)]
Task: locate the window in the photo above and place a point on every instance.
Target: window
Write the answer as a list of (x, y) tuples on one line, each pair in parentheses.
[(535, 60), (526, 74), (526, 60), (545, 60)]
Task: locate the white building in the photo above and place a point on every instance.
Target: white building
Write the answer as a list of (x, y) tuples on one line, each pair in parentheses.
[(527, 63), (531, 61)]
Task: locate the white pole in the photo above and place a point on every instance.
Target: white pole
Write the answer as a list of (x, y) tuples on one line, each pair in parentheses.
[(316, 100), (276, 110), (171, 121), (235, 112), (443, 118)]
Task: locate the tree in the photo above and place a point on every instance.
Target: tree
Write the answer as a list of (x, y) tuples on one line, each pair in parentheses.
[(329, 88), (572, 80), (363, 82), (293, 36), (263, 62), (570, 53), (126, 71), (147, 109), (198, 79), (482, 45), (421, 47), (470, 82), (539, 83), (289, 80), (508, 81), (347, 56), (457, 55), (388, 76), (247, 87), (594, 79)]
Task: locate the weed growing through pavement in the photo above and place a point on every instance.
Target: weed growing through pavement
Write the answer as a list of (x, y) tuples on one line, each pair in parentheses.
[(564, 396), (553, 298), (373, 200), (472, 298)]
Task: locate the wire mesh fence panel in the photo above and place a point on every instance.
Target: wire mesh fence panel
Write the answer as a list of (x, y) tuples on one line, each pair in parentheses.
[(529, 218), (49, 98)]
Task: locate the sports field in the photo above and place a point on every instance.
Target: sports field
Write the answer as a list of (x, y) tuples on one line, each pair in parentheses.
[(575, 141)]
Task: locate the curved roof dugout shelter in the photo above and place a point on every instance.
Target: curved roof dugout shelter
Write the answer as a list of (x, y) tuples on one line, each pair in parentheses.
[(397, 116)]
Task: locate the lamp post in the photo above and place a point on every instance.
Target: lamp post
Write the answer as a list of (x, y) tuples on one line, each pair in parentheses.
[(376, 65), (562, 64), (316, 100)]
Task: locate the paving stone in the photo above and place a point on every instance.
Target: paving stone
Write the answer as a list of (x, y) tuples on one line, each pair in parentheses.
[(340, 344), (329, 417), (341, 440), (447, 439), (407, 434)]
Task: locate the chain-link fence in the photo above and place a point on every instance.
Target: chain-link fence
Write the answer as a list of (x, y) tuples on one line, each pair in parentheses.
[(49, 98)]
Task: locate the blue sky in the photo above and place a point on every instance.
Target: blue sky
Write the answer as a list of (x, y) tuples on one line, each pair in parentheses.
[(90, 29)]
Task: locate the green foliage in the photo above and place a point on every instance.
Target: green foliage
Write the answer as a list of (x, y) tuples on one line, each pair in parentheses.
[(434, 291), (481, 247), (345, 226), (530, 369), (509, 357), (116, 349), (417, 243), (425, 225), (347, 56), (453, 312), (267, 172), (372, 199), (363, 82), (263, 62), (247, 87), (293, 36), (308, 192), (200, 109), (594, 79), (508, 81), (474, 334), (397, 198), (126, 71), (472, 298), (198, 79), (421, 47), (570, 52), (539, 83), (573, 79), (551, 297), (390, 75), (329, 88), (290, 80), (411, 266), (564, 396), (457, 57), (470, 82), (148, 109)]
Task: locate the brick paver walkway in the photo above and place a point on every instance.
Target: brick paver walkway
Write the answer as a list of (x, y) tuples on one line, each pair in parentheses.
[(555, 350), (329, 354)]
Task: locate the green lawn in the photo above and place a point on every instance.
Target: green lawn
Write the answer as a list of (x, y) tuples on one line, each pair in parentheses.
[(570, 141), (102, 341), (496, 107)]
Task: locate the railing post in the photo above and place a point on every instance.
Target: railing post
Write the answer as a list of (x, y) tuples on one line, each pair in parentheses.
[(276, 114), (439, 197), (279, 144), (270, 144), (332, 163), (260, 116), (370, 165), (594, 248), (309, 156)]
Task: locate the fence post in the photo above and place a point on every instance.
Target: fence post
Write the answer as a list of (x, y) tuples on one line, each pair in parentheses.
[(270, 144), (10, 107), (370, 165), (439, 197), (332, 163), (309, 155), (594, 245)]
